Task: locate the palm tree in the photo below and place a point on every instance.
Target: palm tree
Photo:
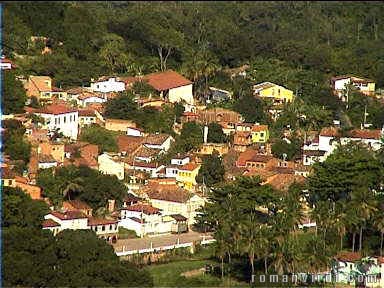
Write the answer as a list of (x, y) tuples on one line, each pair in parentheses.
[(378, 222), (364, 199), (72, 186)]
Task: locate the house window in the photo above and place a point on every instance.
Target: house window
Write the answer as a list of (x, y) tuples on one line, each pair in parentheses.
[(103, 228), (261, 134), (96, 228), (55, 121), (65, 119), (110, 227)]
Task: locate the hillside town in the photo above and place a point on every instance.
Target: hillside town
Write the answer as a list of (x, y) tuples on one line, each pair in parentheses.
[(224, 155)]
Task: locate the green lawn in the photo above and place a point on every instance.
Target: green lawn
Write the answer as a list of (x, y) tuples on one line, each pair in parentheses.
[(168, 275)]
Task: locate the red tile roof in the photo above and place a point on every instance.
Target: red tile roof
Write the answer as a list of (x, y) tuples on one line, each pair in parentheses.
[(92, 221), (146, 209), (56, 109), (283, 181), (347, 256), (365, 134), (156, 139), (47, 223), (330, 132), (259, 128), (260, 158), (76, 205), (169, 79), (86, 113), (189, 167), (179, 195), (69, 215), (129, 144), (245, 156)]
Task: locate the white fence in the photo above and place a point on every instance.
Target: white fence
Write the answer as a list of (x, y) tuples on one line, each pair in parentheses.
[(162, 248)]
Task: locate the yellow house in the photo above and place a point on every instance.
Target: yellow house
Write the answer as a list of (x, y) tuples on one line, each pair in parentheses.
[(279, 94), (187, 174), (260, 134), (208, 148)]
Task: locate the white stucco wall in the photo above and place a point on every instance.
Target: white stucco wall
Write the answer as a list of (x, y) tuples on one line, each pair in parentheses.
[(67, 123), (181, 93), (111, 85)]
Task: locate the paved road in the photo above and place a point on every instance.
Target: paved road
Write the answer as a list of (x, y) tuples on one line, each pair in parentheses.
[(158, 241)]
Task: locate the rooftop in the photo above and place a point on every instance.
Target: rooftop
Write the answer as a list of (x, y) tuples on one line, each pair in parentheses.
[(145, 208), (47, 223), (56, 109), (69, 215), (166, 80)]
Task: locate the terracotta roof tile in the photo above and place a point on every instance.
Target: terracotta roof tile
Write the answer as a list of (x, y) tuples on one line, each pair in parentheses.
[(283, 181), (86, 113), (348, 256), (129, 144), (69, 215), (75, 205), (365, 134), (189, 166), (145, 208), (259, 128), (156, 139), (179, 196), (47, 223), (56, 109), (92, 221), (166, 80)]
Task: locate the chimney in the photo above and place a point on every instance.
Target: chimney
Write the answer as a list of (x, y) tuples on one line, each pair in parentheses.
[(111, 205), (205, 134)]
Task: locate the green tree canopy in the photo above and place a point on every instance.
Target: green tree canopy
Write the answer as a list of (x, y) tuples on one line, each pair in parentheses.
[(212, 170), (215, 133), (99, 136), (14, 96)]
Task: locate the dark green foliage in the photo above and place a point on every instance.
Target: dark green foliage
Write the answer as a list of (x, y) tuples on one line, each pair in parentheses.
[(191, 137), (212, 170), (281, 147), (215, 133), (83, 183), (251, 108), (29, 257), (122, 107), (20, 210), (143, 89), (14, 143), (13, 97), (99, 136)]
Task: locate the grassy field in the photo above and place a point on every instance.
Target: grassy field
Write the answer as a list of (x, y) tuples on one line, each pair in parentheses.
[(168, 275)]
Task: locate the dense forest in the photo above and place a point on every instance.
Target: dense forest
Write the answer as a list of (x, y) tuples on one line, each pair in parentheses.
[(318, 39), (299, 45)]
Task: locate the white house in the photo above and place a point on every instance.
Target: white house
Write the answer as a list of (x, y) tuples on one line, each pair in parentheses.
[(58, 221), (364, 85), (133, 131), (46, 161), (153, 169), (68, 220), (6, 64), (180, 160), (111, 165), (171, 171), (172, 86), (143, 219), (159, 141), (61, 117), (330, 137), (105, 85), (177, 201), (90, 98)]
